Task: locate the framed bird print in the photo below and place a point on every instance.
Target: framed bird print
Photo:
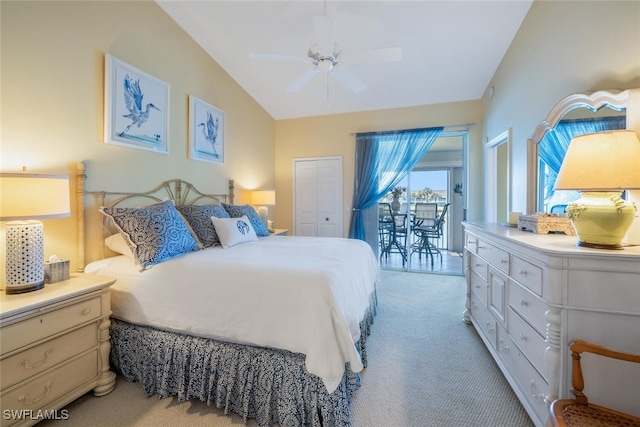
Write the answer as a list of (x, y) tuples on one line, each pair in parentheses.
[(136, 112), (206, 131)]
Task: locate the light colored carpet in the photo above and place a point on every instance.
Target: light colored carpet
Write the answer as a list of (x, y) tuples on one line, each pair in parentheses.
[(427, 368)]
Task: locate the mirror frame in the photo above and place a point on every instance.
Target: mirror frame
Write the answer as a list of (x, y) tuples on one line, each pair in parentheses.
[(612, 98)]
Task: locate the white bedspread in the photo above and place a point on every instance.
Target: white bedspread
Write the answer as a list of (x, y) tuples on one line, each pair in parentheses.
[(303, 294)]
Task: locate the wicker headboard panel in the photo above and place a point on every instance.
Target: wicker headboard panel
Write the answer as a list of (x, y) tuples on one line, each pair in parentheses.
[(93, 227)]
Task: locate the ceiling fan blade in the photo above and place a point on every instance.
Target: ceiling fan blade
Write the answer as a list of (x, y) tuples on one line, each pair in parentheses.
[(324, 30), (269, 57), (302, 80), (389, 54), (348, 80)]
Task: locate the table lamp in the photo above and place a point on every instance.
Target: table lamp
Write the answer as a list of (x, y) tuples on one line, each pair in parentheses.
[(601, 166), (25, 198), (262, 199)]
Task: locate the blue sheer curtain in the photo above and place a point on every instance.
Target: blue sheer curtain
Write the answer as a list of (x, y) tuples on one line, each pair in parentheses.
[(382, 160), (553, 146)]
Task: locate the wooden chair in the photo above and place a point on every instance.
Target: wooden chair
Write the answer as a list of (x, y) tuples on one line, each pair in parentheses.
[(579, 412)]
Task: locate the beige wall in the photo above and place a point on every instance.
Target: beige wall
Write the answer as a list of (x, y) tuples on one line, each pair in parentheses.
[(333, 136), (52, 102), (562, 47)]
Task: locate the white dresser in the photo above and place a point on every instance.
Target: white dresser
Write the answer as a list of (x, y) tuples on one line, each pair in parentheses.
[(530, 295), (54, 347)]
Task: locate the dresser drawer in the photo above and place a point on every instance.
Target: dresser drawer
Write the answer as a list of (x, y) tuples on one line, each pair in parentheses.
[(530, 342), (41, 391), (494, 256), (528, 305), (530, 384), (479, 288), (471, 243), (478, 266), (526, 273), (483, 320), (46, 355), (36, 328)]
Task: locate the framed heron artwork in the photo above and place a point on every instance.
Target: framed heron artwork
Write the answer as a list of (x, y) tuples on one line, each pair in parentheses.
[(136, 112), (206, 131)]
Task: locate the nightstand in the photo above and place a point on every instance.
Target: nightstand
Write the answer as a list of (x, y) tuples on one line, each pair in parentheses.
[(54, 347), (280, 232)]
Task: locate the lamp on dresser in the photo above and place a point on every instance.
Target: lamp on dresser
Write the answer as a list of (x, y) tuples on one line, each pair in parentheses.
[(24, 199), (262, 199), (601, 166)]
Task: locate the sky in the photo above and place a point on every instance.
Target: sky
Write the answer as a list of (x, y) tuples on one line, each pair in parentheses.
[(435, 180)]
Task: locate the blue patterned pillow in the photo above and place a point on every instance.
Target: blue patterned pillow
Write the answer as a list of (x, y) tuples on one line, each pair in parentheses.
[(199, 218), (155, 233), (236, 211)]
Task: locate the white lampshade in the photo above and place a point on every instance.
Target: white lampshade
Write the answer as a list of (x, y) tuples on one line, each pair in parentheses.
[(25, 198), (601, 165), (263, 197), (601, 161)]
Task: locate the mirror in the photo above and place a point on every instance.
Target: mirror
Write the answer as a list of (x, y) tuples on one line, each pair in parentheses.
[(574, 107), (498, 163)]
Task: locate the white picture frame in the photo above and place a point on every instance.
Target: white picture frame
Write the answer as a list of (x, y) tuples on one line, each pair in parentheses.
[(136, 112), (206, 131)]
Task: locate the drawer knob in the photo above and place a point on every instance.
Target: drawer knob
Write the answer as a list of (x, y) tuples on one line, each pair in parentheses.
[(28, 365), (523, 272), (478, 265), (503, 348), (478, 286), (524, 302), (534, 392), (489, 328), (25, 399), (86, 311), (522, 337), (503, 261)]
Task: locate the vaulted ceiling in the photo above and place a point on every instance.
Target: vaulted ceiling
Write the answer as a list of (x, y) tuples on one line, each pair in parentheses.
[(450, 49)]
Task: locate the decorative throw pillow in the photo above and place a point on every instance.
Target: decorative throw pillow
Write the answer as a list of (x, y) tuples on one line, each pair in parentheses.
[(236, 211), (154, 233), (199, 218), (118, 244), (233, 231)]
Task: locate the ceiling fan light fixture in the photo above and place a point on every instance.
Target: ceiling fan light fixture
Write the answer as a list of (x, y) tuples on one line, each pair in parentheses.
[(325, 64)]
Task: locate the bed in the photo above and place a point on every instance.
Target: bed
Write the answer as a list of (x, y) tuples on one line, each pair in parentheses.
[(273, 328)]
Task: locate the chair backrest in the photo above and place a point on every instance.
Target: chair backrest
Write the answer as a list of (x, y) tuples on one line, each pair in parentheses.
[(426, 210), (440, 220)]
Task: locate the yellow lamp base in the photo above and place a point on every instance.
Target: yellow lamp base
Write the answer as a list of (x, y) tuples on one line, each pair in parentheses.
[(601, 219)]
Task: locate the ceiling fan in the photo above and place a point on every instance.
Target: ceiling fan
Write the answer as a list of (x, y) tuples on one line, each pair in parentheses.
[(325, 56)]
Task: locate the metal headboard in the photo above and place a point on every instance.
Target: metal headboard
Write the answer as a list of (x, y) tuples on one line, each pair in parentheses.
[(179, 191)]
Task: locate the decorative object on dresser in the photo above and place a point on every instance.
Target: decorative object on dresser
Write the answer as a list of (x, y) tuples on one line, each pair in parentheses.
[(601, 165), (530, 295), (54, 348), (543, 223), (26, 198), (578, 412), (262, 199)]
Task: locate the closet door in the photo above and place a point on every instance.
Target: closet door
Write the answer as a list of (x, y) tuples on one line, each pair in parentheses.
[(318, 197)]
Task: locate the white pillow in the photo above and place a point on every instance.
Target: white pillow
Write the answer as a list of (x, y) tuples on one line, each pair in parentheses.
[(233, 231), (117, 244)]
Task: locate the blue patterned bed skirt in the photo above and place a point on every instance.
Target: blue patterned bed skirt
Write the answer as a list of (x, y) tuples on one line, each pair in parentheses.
[(271, 386)]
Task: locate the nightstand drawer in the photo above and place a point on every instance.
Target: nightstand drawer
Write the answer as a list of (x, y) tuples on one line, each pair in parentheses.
[(30, 330), (46, 355), (41, 391)]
